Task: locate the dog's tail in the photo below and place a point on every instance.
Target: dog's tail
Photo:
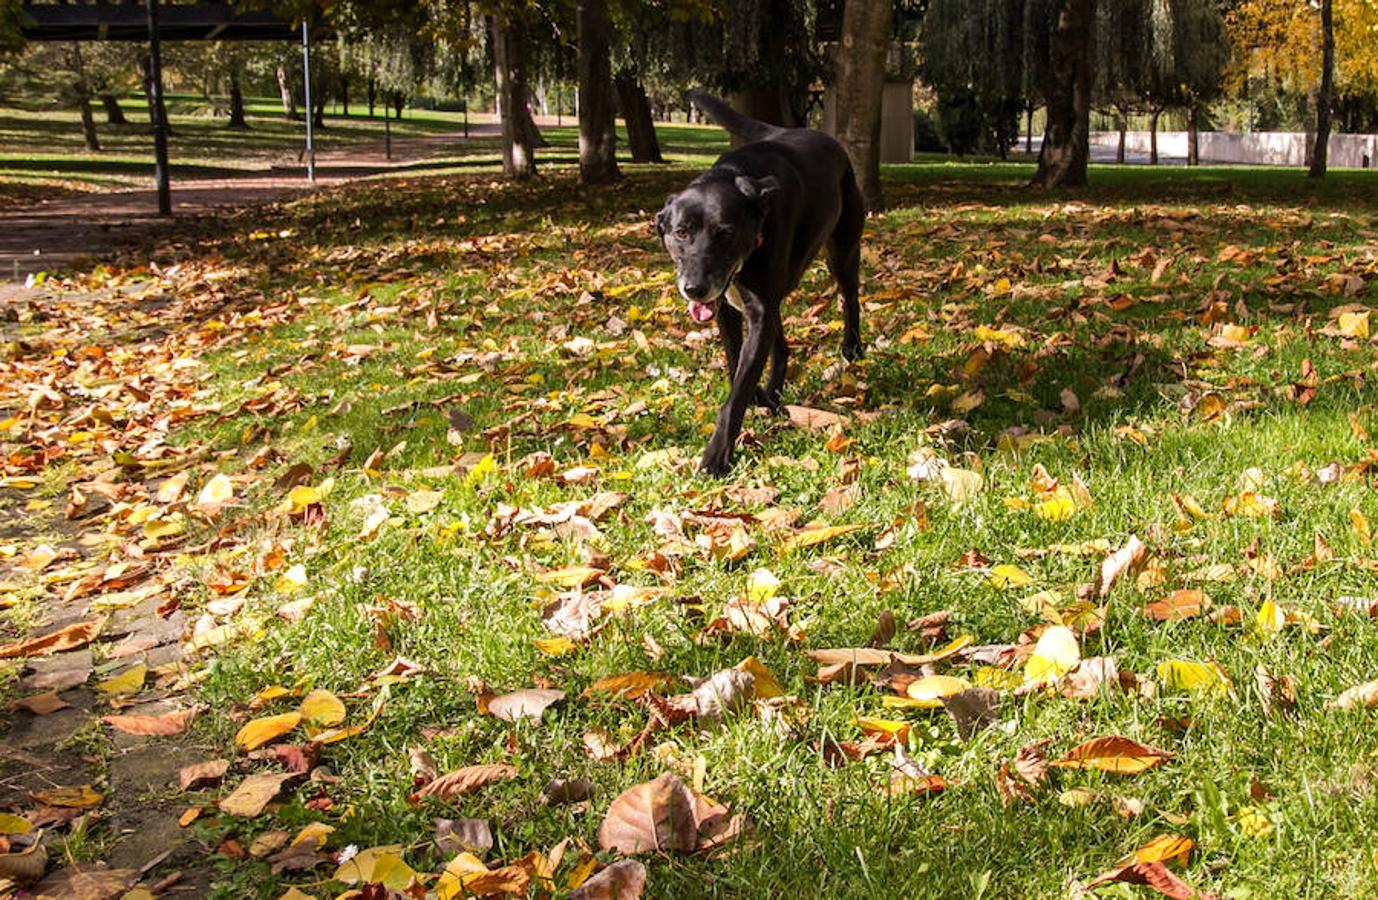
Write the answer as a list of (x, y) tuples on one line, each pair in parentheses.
[(733, 122)]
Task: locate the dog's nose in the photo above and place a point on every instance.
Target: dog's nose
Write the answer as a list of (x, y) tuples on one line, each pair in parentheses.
[(695, 290)]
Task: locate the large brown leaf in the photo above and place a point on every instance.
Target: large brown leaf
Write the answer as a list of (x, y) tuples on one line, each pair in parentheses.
[(465, 781), (528, 703), (623, 880), (85, 881), (654, 816), (254, 793), (210, 770), (70, 638)]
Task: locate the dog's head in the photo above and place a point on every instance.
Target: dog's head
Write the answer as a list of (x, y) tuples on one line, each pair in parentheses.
[(710, 228)]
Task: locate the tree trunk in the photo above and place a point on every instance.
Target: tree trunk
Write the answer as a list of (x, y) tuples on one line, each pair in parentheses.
[(636, 114), (399, 103), (237, 118), (319, 97), (1153, 136), (81, 91), (528, 123), (1193, 137), (597, 115), (1124, 128), (1066, 140), (289, 100), (1319, 156), (372, 94), (860, 84), (114, 115), (1028, 129), (344, 95), (509, 69)]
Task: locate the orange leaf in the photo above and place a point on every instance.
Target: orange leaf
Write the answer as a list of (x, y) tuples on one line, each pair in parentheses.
[(1113, 754), (628, 685), (168, 723), (69, 638), (260, 731)]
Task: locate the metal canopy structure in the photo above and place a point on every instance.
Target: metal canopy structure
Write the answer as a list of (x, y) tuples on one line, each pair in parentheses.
[(155, 23), (129, 22)]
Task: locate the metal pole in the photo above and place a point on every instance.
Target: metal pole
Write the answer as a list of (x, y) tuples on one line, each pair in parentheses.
[(159, 112), (310, 110)]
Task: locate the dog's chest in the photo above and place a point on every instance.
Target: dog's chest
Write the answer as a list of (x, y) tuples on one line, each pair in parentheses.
[(734, 298)]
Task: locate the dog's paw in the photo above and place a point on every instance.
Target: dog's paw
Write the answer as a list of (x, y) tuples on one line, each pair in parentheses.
[(853, 350), (716, 462), (771, 403)]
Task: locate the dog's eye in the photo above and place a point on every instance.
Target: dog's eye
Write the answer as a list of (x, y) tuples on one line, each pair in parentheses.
[(681, 234)]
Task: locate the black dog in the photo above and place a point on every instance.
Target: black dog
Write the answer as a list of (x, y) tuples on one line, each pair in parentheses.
[(743, 233)]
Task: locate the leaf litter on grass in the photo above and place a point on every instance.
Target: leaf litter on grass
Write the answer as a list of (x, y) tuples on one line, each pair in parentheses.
[(550, 459)]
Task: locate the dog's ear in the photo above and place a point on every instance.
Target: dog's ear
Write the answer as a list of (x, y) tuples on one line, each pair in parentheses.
[(663, 217), (757, 190)]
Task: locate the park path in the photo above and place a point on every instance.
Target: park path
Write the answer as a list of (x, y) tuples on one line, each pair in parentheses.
[(59, 233)]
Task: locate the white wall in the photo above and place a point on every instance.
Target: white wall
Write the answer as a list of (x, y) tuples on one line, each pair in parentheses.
[(1267, 148)]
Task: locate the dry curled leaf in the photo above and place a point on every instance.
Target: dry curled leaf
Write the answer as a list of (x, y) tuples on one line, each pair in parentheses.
[(528, 703), (623, 880), (465, 781), (70, 638), (196, 773)]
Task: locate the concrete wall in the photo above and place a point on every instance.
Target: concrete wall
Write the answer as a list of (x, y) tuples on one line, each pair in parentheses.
[(1263, 148), (896, 120)]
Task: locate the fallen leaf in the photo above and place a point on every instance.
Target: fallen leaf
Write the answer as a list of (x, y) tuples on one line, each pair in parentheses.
[(629, 685), (42, 704), (1056, 653), (163, 725), (254, 793), (130, 681), (655, 816), (1113, 754), (464, 781), (930, 690), (70, 638), (623, 880), (1361, 696), (78, 797), (812, 536), (320, 707), (1181, 604), (528, 703), (196, 773), (257, 732), (1189, 675), (1118, 563), (1007, 575)]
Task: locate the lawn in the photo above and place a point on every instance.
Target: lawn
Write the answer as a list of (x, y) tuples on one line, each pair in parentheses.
[(459, 421)]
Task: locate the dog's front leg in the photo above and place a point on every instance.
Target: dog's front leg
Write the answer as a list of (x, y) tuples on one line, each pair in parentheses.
[(730, 330), (760, 337)]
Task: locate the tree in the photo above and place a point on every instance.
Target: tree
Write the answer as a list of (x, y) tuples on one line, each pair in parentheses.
[(510, 28), (1066, 142), (597, 117), (860, 83), (1324, 96), (80, 87)]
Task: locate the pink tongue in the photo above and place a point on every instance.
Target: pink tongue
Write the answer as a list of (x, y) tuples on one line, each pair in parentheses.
[(700, 312)]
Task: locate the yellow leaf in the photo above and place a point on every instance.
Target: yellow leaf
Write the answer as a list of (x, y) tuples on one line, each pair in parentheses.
[(1008, 575), (766, 685), (1270, 619), (12, 824), (320, 707), (960, 484), (129, 681), (1055, 654), (1113, 754), (315, 832), (999, 679), (1165, 848), (377, 865), (1355, 324), (556, 646), (1008, 339), (570, 576), (1055, 509), (1188, 675), (811, 536), (216, 492), (481, 469), (302, 496), (761, 585), (1359, 523), (292, 580), (419, 502), (931, 689), (891, 727), (260, 731)]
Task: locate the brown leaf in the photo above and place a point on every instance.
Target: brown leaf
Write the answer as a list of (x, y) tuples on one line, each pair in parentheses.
[(457, 835), (1183, 604), (254, 793), (884, 631), (85, 881), (1156, 876), (210, 770), (1361, 696), (628, 685), (1010, 790), (465, 781), (528, 703), (42, 704), (623, 880), (1031, 762), (973, 710), (654, 816), (168, 723), (70, 638)]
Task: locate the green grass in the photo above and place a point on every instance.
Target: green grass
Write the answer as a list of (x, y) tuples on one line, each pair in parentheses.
[(469, 291), (203, 147)]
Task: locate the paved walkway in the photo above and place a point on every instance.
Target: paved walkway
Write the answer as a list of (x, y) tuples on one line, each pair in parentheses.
[(62, 232)]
